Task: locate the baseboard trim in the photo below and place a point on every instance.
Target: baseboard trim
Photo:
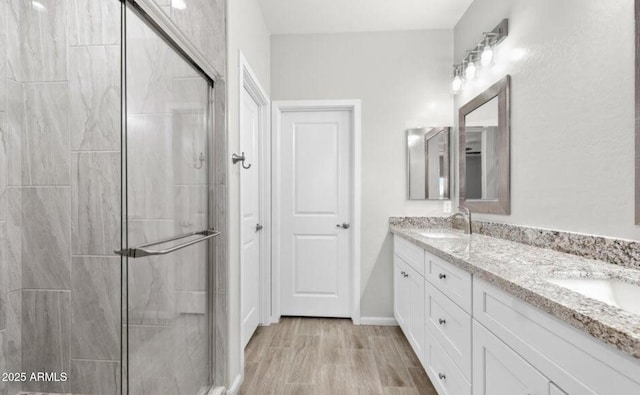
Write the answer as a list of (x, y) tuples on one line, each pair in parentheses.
[(381, 321), (235, 387)]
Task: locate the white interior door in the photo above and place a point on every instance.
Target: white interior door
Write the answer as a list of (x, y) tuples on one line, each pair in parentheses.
[(315, 192), (250, 216)]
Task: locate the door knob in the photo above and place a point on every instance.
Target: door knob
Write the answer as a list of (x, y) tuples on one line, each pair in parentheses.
[(345, 225), (259, 227)]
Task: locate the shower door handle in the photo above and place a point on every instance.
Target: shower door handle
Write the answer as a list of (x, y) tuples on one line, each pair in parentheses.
[(142, 250)]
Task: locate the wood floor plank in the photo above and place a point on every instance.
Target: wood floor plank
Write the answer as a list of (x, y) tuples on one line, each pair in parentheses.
[(421, 382), (298, 389), (335, 326), (248, 384), (357, 337), (333, 350), (302, 356), (272, 371), (400, 391), (258, 343), (310, 326), (391, 369), (283, 336), (334, 379), (306, 356), (363, 372), (409, 358)]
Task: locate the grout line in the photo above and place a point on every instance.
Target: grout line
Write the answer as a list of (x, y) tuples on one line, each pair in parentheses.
[(93, 45), (94, 256), (79, 151), (41, 186), (44, 82), (95, 360)]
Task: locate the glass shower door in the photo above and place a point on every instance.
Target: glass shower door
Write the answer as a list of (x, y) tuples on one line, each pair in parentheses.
[(167, 230)]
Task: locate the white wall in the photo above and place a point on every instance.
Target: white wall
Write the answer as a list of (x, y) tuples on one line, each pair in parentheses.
[(247, 32), (571, 63), (402, 80)]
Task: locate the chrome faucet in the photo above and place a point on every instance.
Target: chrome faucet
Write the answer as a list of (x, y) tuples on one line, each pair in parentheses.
[(466, 215)]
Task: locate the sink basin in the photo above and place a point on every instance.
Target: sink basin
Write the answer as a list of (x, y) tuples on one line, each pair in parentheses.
[(439, 235), (613, 292)]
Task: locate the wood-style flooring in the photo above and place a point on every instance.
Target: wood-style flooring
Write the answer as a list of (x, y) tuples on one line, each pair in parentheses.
[(320, 356)]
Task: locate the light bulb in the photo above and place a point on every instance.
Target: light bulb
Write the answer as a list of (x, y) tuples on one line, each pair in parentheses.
[(471, 70), (487, 56), (456, 84)]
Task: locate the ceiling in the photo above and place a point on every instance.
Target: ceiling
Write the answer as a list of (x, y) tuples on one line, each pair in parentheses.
[(337, 16)]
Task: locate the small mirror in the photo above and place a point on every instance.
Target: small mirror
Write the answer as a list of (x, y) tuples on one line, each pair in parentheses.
[(428, 163), (484, 151)]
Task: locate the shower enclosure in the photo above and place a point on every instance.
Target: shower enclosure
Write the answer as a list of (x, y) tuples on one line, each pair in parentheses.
[(110, 199)]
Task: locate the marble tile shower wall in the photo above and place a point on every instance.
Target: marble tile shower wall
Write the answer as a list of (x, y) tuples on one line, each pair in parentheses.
[(203, 22), (3, 195), (60, 200), (60, 193)]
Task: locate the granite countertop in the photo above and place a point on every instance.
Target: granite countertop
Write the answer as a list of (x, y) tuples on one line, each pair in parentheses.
[(521, 270)]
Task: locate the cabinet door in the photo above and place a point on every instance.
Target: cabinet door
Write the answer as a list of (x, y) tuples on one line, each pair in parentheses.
[(414, 284), (400, 306), (498, 370)]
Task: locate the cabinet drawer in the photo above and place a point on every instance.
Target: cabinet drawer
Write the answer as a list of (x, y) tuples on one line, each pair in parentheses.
[(442, 371), (451, 326), (410, 253), (452, 281)]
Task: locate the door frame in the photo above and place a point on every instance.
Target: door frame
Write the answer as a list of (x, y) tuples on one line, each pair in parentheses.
[(277, 109), (250, 82)]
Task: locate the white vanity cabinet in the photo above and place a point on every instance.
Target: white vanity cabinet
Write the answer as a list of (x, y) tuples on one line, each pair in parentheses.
[(409, 293), (573, 361), (474, 338)]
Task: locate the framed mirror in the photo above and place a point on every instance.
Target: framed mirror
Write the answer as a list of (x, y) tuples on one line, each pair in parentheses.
[(428, 163), (485, 151)]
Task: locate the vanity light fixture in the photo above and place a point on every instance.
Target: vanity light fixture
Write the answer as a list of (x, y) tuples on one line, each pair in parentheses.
[(471, 70), (483, 53), (486, 57), (456, 84)]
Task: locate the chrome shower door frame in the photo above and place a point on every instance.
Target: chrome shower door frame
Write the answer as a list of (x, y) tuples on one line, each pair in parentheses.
[(155, 17)]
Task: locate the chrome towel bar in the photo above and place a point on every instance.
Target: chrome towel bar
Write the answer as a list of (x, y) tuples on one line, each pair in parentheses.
[(142, 250)]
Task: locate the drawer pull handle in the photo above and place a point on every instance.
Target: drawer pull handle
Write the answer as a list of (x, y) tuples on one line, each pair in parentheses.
[(442, 321), (442, 276), (442, 376)]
